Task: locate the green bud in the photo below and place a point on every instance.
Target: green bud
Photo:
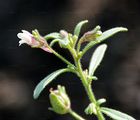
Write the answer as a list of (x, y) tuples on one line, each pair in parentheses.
[(59, 100), (91, 35), (64, 39), (36, 34), (91, 109)]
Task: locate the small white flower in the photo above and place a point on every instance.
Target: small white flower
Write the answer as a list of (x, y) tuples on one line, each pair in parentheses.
[(27, 38)]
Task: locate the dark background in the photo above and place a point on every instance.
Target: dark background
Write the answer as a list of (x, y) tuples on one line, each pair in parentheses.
[(21, 68)]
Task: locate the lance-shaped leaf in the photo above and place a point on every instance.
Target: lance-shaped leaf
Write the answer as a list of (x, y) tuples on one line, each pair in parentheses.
[(54, 35), (110, 33), (116, 115), (96, 58), (78, 27), (39, 88)]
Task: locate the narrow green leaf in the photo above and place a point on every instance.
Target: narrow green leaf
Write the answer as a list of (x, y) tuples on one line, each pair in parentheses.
[(39, 88), (78, 27), (54, 35), (96, 58), (101, 101), (110, 33), (116, 115)]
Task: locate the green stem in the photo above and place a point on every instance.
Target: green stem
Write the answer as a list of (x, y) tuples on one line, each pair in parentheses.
[(85, 82), (78, 46), (53, 42), (88, 89), (100, 115), (75, 115), (62, 58)]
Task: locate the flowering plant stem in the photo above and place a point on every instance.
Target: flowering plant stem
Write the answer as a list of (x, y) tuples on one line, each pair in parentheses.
[(59, 99), (85, 83)]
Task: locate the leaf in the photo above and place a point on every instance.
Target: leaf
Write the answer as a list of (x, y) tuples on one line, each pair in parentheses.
[(101, 101), (54, 35), (78, 27), (110, 33), (117, 115), (39, 88), (96, 58)]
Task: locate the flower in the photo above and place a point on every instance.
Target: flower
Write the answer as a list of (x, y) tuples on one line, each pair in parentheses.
[(30, 39), (27, 38)]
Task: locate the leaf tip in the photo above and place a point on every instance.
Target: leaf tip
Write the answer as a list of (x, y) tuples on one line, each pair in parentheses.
[(35, 96), (85, 21), (123, 29), (104, 46), (98, 27)]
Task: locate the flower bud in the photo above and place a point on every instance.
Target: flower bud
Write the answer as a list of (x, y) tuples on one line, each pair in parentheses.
[(64, 40), (63, 34), (91, 35), (91, 109), (59, 100)]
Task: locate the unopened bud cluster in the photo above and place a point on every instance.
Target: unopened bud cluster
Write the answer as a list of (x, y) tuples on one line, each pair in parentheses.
[(59, 100)]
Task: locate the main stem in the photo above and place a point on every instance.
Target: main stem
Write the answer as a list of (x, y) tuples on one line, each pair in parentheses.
[(88, 88), (85, 82)]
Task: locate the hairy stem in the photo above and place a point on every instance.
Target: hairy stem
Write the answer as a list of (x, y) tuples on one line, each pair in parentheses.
[(85, 83), (88, 89)]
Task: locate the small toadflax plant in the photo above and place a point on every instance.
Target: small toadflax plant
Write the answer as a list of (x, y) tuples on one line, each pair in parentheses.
[(59, 99)]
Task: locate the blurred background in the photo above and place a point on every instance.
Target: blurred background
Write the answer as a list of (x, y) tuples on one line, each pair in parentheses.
[(21, 68)]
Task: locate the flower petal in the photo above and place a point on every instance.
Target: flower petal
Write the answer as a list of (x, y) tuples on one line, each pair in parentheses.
[(26, 32), (25, 37), (21, 42)]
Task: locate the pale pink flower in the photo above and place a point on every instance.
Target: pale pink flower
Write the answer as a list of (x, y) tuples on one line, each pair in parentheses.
[(28, 38)]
